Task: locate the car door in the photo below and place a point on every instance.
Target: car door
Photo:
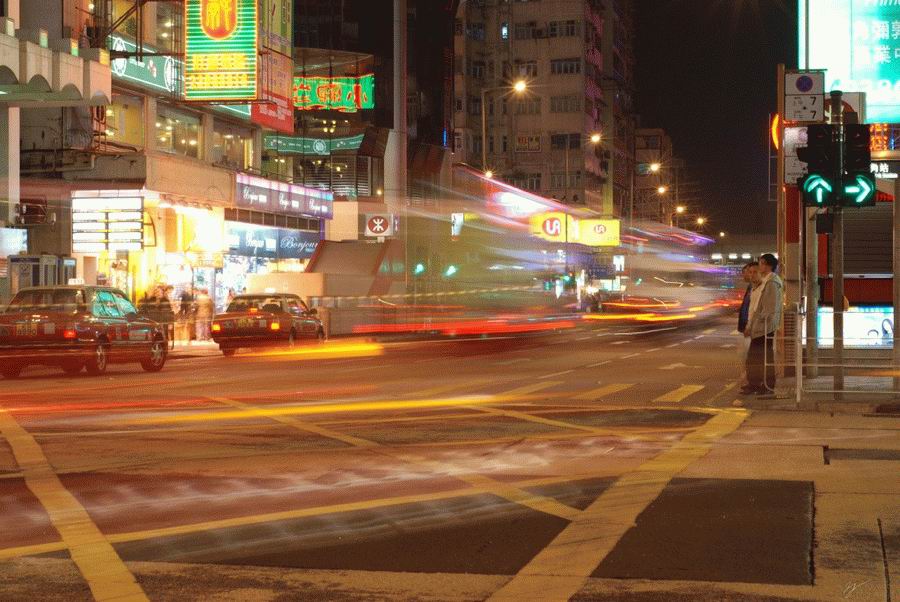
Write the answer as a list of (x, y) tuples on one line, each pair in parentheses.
[(112, 322), (139, 330)]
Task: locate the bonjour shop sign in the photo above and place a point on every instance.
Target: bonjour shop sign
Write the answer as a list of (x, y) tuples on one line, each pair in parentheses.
[(271, 243)]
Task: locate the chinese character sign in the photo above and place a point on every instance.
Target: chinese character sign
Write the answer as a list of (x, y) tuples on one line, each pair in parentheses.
[(858, 43), (345, 94), (220, 50)]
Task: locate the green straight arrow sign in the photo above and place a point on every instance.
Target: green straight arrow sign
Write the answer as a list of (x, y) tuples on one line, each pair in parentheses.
[(816, 190)]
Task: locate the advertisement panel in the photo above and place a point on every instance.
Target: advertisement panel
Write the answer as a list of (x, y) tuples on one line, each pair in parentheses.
[(871, 326), (249, 240), (857, 42), (552, 227), (275, 111), (269, 195), (277, 18), (221, 44), (344, 94), (107, 221), (599, 232), (301, 145)]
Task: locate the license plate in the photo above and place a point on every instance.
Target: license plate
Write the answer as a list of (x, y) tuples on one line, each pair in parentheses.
[(26, 329), (245, 323)]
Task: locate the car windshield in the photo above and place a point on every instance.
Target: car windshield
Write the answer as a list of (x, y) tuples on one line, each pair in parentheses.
[(254, 304), (56, 300)]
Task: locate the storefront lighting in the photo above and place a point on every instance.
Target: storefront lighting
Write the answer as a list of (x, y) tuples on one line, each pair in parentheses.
[(193, 143), (379, 192), (109, 112)]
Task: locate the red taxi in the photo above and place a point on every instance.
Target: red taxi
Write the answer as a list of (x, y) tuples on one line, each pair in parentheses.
[(75, 328), (265, 320)]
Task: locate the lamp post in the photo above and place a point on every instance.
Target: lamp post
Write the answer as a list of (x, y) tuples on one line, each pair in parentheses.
[(519, 88), (594, 140)]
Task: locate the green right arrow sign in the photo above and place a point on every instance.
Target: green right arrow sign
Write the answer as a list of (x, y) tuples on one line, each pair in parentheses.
[(859, 190)]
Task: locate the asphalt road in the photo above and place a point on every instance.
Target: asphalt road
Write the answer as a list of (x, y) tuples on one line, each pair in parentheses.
[(601, 463)]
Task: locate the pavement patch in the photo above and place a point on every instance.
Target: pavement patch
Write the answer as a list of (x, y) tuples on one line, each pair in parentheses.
[(575, 494), (636, 418), (760, 532), (480, 534)]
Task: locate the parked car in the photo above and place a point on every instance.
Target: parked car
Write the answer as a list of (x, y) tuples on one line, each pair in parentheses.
[(265, 320), (75, 328)]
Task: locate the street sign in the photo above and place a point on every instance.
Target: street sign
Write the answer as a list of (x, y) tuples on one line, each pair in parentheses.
[(794, 168), (804, 96), (379, 225)]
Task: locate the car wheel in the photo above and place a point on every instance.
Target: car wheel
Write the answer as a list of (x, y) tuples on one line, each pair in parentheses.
[(96, 363), (72, 368), (11, 371), (157, 358), (228, 351)]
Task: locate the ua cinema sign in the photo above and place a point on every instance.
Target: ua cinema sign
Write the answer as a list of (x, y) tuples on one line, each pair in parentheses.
[(559, 228), (221, 45)]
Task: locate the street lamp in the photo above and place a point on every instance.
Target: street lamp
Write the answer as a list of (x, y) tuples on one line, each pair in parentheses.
[(595, 138), (655, 167), (489, 174), (721, 234), (679, 210), (662, 190), (519, 88), (701, 221)]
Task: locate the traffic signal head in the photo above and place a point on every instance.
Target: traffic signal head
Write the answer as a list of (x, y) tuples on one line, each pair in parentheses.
[(859, 189), (857, 148), (818, 153)]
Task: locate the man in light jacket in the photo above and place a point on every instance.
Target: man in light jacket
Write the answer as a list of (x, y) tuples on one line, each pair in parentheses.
[(765, 320)]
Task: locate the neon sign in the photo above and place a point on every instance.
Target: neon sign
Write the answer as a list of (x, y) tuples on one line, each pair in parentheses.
[(344, 94), (221, 50)]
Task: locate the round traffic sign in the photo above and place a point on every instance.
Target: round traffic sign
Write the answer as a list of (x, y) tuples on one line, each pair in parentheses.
[(805, 83)]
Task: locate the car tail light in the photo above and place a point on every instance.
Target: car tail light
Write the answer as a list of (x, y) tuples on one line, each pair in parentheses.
[(217, 328), (275, 326), (69, 333)]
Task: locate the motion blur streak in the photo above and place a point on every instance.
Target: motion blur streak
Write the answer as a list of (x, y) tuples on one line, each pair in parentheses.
[(473, 327), (331, 408), (326, 351)]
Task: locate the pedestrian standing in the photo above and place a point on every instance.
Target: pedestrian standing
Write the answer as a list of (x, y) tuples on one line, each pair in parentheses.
[(766, 311), (186, 314), (205, 311)]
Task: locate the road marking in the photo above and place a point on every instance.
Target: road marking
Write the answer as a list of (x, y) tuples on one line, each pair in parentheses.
[(653, 350), (528, 389), (628, 357), (673, 345), (590, 336), (603, 363), (511, 362), (297, 424), (603, 391), (709, 331), (678, 395), (728, 346), (556, 374), (699, 336), (619, 342), (105, 573), (560, 570)]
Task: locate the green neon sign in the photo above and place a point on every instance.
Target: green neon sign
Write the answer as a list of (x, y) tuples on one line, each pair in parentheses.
[(344, 94), (299, 145), (221, 50)]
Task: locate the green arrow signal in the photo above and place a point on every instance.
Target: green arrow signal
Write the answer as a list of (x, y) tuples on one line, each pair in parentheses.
[(819, 186), (861, 191)]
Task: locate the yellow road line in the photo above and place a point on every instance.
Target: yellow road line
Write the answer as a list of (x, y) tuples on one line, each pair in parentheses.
[(528, 389), (103, 570), (678, 395), (559, 571), (603, 391)]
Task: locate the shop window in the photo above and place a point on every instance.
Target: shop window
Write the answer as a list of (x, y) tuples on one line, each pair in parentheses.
[(168, 21), (125, 121), (178, 132), (232, 146)]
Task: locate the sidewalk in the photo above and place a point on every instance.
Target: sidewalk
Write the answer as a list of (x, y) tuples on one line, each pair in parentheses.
[(185, 350)]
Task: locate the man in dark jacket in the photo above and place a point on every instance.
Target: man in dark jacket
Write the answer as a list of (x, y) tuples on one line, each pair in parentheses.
[(748, 274)]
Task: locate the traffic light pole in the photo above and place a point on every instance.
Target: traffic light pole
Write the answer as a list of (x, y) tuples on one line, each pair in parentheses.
[(837, 255)]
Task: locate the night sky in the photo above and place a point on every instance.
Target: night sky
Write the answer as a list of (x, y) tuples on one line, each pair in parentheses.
[(706, 73)]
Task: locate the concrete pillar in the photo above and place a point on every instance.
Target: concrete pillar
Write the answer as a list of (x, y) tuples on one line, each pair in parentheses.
[(149, 123), (9, 163)]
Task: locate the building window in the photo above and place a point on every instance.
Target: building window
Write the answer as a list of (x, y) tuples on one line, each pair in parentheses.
[(168, 21), (565, 66), (476, 144), (459, 104), (558, 141), (125, 120), (527, 68), (530, 181), (490, 144), (232, 146), (565, 104), (475, 31), (474, 105), (504, 31), (458, 142), (528, 106), (177, 132), (476, 69), (504, 143), (458, 27), (528, 143), (525, 31), (558, 180)]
